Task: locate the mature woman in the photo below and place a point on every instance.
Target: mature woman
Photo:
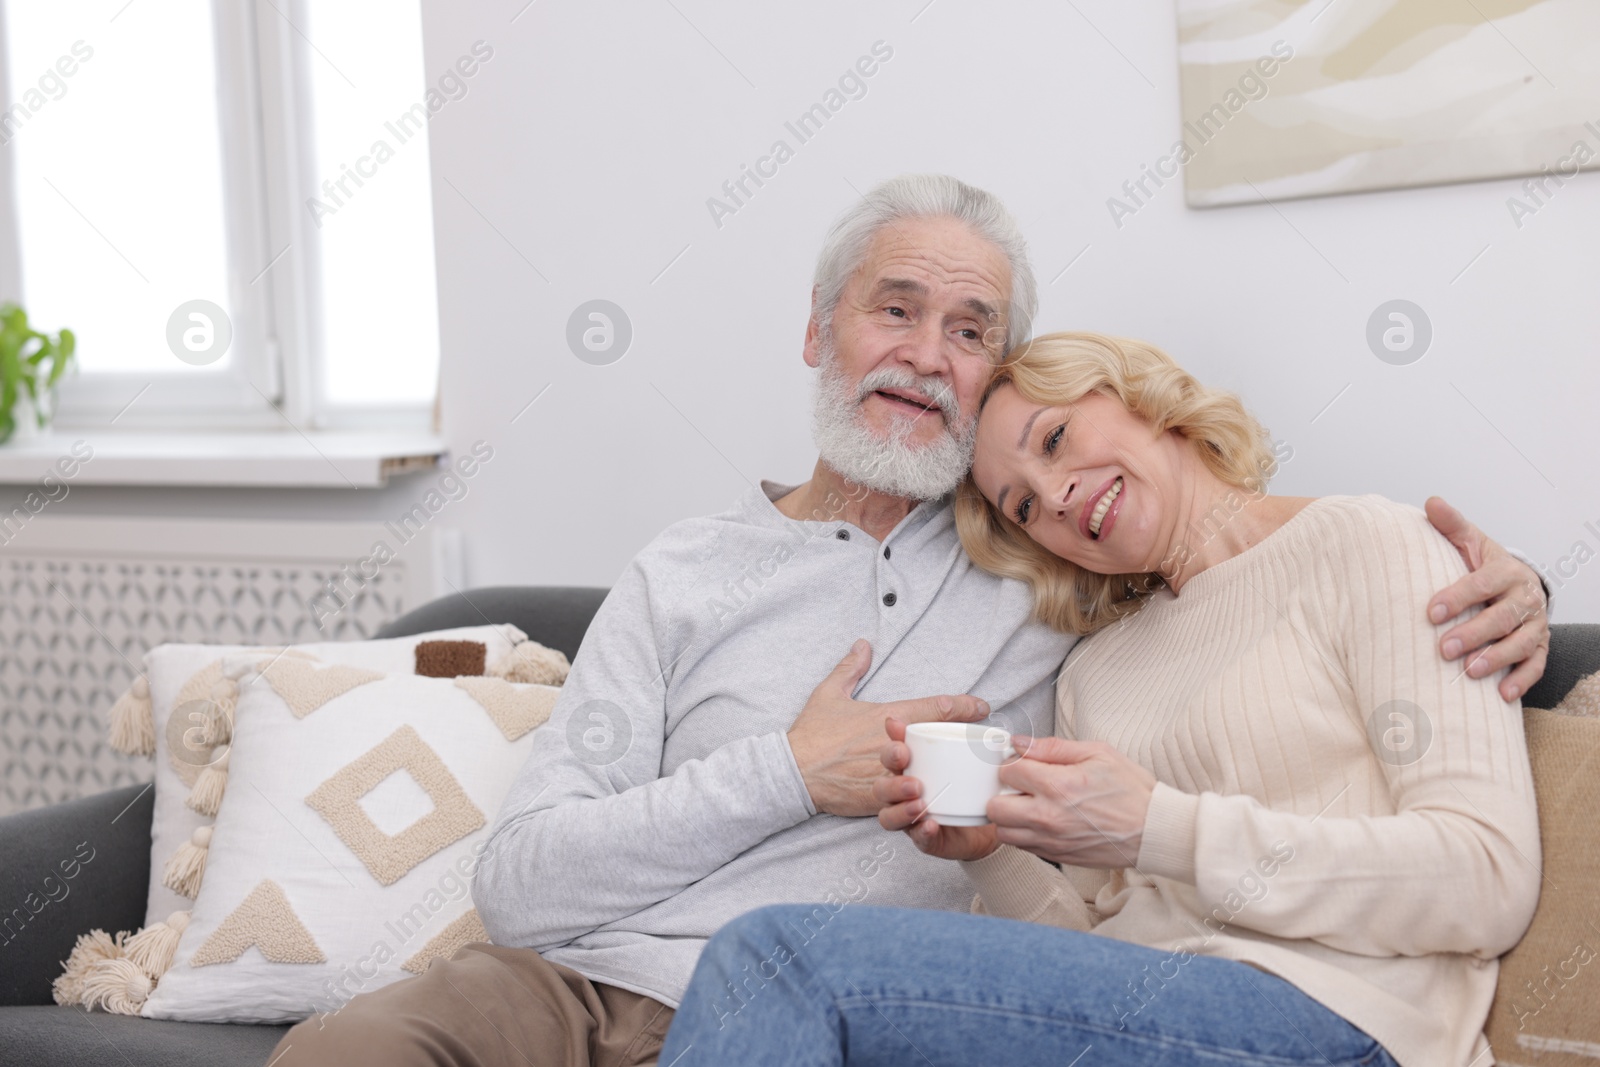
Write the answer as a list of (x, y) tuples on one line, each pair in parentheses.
[(1289, 832)]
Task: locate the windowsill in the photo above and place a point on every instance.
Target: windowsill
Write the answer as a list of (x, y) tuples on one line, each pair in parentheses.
[(321, 460)]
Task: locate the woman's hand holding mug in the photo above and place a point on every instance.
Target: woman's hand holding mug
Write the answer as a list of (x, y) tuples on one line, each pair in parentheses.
[(1075, 802), (1082, 803)]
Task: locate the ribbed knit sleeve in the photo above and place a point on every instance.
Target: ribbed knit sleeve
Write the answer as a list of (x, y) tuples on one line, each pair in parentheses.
[(1014, 884)]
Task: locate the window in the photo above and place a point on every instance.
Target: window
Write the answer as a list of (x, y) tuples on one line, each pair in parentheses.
[(377, 245), (163, 154)]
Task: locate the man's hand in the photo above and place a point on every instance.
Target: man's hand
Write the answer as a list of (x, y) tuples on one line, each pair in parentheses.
[(904, 808), (1513, 629), (837, 740)]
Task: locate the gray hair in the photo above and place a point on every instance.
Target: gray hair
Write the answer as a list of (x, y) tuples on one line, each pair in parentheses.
[(925, 196)]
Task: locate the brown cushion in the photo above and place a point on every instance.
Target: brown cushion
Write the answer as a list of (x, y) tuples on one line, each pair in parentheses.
[(450, 659), (1547, 1007)]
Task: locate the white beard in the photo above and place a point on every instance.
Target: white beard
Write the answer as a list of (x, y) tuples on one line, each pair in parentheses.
[(888, 465)]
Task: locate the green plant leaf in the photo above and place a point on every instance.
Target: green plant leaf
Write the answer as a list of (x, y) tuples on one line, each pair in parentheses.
[(14, 317), (66, 346), (23, 352), (10, 339), (10, 375)]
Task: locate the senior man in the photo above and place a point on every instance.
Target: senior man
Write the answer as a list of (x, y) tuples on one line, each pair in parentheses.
[(693, 768)]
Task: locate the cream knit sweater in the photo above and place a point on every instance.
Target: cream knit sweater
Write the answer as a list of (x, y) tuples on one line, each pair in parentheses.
[(1378, 857)]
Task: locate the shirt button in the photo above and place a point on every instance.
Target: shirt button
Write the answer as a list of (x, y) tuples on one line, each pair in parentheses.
[(889, 599), (885, 551), (842, 534)]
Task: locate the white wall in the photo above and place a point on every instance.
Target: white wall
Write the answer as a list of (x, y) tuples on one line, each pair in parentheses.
[(589, 145), (594, 137)]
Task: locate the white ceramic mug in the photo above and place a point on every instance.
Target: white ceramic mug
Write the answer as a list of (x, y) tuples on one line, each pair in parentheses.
[(958, 764)]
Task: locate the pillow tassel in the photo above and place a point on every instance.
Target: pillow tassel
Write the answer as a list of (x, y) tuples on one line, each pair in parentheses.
[(119, 986), (218, 727), (92, 947), (133, 727), (188, 865), (206, 796), (153, 947)]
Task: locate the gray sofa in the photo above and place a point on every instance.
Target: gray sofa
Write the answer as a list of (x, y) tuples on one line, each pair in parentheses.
[(110, 893)]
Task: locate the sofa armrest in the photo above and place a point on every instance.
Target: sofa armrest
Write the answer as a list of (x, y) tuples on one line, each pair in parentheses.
[(65, 870)]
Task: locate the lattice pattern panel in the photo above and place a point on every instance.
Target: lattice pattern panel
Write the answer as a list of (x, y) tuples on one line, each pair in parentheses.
[(72, 633)]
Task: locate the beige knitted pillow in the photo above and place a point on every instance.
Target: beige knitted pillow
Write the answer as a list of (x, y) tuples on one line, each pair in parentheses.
[(344, 850), (1546, 1009), (181, 710), (183, 684)]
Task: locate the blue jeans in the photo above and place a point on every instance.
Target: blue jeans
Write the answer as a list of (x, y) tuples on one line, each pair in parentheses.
[(798, 984)]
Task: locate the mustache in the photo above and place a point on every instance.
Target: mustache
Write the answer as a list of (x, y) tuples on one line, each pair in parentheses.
[(935, 389)]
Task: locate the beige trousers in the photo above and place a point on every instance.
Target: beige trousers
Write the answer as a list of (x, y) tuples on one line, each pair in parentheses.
[(486, 1006)]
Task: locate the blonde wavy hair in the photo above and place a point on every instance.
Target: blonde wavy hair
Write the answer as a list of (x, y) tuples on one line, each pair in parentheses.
[(1061, 368)]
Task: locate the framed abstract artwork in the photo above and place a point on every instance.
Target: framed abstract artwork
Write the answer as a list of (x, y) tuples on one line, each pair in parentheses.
[(1295, 98)]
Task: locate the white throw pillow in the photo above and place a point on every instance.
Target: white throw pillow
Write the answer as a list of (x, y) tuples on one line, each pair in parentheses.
[(343, 851), (181, 679)]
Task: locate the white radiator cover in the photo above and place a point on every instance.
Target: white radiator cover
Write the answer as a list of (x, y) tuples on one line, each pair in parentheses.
[(82, 600)]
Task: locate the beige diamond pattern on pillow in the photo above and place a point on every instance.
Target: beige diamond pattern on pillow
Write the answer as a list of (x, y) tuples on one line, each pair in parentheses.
[(305, 688), (389, 856), (515, 711), (466, 930), (266, 921)]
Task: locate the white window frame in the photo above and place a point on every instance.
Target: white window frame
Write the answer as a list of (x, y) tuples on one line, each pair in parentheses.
[(273, 255)]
